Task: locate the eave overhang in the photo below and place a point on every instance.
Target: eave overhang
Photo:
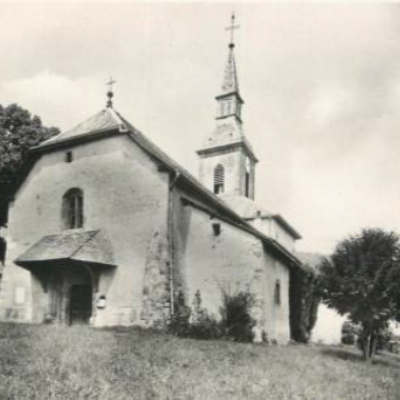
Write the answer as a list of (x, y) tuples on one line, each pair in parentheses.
[(230, 94), (68, 142), (229, 146), (285, 225), (76, 246)]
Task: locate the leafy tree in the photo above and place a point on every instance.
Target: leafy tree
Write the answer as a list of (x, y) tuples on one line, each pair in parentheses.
[(304, 301), (19, 131), (362, 280), (383, 335)]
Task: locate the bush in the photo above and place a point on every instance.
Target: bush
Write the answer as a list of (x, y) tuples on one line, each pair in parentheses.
[(202, 324), (350, 333), (197, 323), (237, 321), (179, 324)]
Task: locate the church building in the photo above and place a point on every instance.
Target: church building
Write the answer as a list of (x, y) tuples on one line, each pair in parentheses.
[(106, 229)]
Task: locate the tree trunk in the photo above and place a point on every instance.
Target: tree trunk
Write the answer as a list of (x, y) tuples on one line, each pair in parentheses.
[(367, 347), (369, 341), (373, 346)]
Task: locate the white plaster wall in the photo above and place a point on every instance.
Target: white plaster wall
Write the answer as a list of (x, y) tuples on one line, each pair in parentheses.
[(277, 315), (124, 194), (235, 260)]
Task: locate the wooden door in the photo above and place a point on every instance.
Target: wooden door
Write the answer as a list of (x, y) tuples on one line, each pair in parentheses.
[(80, 305)]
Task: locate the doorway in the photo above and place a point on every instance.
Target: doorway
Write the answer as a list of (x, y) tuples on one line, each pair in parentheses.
[(80, 304)]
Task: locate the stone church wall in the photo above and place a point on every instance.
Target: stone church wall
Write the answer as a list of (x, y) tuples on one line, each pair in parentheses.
[(124, 195), (232, 260)]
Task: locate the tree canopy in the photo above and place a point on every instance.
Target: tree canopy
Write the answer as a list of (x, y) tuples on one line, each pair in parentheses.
[(19, 131), (362, 280), (304, 301)]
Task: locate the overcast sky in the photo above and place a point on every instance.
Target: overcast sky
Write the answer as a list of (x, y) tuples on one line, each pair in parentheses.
[(321, 84)]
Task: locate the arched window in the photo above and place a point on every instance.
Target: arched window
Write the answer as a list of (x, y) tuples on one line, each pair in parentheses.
[(277, 292), (73, 209), (219, 179)]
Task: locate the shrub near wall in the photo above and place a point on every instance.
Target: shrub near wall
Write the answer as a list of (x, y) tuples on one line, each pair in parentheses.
[(236, 315), (196, 322)]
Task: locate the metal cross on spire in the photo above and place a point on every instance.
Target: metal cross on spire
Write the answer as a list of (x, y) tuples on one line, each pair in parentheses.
[(110, 93), (232, 28)]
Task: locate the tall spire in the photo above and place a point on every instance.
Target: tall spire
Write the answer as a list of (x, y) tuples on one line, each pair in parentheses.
[(230, 83), (227, 161)]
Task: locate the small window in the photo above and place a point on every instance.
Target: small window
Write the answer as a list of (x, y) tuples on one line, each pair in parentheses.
[(216, 228), (73, 209), (277, 293), (68, 157), (219, 179)]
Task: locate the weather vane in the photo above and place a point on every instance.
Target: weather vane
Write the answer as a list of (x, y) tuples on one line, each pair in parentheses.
[(232, 28), (110, 93)]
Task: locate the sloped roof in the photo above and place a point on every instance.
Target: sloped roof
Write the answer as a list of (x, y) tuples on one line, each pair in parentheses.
[(245, 207), (249, 209), (111, 122), (285, 225), (105, 120), (86, 246)]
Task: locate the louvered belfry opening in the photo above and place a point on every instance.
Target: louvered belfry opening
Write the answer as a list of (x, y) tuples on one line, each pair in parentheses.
[(219, 179)]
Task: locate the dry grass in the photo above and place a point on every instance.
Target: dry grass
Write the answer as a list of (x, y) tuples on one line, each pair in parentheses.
[(45, 362)]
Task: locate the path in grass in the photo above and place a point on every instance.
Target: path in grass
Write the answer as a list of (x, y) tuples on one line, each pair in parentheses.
[(43, 362)]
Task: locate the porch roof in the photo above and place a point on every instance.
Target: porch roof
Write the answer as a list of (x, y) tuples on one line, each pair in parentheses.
[(78, 245)]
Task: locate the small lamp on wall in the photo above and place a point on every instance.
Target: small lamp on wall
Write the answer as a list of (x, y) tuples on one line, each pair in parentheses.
[(101, 302)]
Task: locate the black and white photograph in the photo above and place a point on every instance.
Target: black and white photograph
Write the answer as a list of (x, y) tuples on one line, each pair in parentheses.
[(200, 200)]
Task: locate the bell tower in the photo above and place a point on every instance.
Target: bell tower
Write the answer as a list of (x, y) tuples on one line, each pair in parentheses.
[(227, 161)]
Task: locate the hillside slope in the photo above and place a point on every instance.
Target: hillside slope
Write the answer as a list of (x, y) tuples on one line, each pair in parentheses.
[(44, 362)]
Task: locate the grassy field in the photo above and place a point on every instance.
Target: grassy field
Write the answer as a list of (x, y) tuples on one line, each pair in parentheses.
[(46, 362)]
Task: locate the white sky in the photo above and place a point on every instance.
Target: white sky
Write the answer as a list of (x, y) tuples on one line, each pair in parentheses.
[(321, 84)]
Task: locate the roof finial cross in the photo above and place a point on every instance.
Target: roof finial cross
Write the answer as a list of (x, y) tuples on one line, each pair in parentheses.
[(232, 28), (110, 93)]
